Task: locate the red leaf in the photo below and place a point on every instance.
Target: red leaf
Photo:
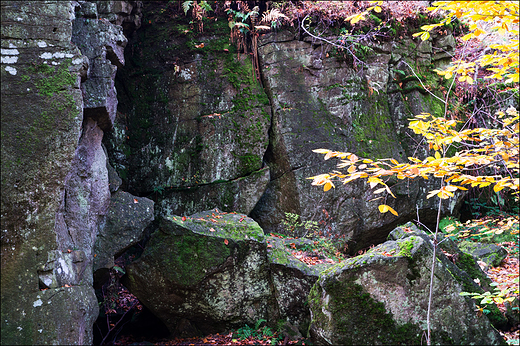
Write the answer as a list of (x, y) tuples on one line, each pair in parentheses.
[(226, 241), (184, 218)]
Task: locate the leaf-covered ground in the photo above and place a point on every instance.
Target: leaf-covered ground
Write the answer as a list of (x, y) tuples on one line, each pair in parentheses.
[(504, 275)]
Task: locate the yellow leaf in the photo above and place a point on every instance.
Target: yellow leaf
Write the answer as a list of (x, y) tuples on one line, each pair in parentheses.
[(451, 188), (380, 190), (329, 155), (497, 187), (321, 151), (357, 18), (351, 169), (437, 155), (394, 161), (383, 208), (377, 9), (432, 193), (392, 211), (374, 181), (328, 185)]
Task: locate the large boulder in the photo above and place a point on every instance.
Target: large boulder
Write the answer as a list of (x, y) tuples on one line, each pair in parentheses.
[(205, 273), (381, 297), (293, 279), (491, 254), (321, 100)]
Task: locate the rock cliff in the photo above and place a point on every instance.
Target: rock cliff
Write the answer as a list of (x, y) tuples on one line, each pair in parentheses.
[(59, 60), (107, 105)]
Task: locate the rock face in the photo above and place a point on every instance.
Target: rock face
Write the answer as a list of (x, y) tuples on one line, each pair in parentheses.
[(381, 297), (322, 101), (204, 273), (196, 129), (57, 100), (41, 129), (193, 122)]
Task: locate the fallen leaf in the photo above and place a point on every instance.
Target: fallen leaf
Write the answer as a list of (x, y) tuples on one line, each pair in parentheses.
[(135, 200), (226, 241), (184, 218), (212, 230)]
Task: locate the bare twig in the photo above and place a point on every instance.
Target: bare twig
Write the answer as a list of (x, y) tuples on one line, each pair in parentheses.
[(115, 325), (330, 42)]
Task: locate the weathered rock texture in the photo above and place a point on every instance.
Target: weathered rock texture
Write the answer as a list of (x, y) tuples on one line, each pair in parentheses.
[(195, 128), (204, 273), (319, 100), (292, 280), (41, 127), (56, 102), (381, 297), (213, 271), (193, 122), (491, 254)]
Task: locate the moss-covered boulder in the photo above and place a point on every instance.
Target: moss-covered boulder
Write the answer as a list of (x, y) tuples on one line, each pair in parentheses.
[(491, 254), (292, 280), (204, 273), (462, 266), (381, 297)]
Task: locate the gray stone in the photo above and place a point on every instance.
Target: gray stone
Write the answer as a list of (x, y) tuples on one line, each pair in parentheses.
[(240, 195), (41, 127), (103, 44), (463, 267), (126, 220), (491, 254), (292, 281), (339, 108), (382, 297), (204, 273), (446, 42)]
